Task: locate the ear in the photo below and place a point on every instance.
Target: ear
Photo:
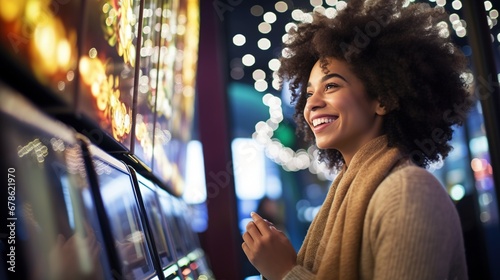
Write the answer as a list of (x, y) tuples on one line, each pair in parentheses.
[(380, 109)]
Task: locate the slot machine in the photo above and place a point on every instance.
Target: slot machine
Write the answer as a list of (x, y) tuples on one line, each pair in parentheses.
[(150, 204), (54, 227), (122, 217)]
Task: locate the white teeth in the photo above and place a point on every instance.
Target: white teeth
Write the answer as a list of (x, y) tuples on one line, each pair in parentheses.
[(319, 121)]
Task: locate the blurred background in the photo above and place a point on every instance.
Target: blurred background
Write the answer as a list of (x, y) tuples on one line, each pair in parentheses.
[(186, 93), (272, 166)]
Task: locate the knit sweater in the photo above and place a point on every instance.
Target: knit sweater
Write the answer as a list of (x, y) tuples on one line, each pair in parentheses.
[(411, 230)]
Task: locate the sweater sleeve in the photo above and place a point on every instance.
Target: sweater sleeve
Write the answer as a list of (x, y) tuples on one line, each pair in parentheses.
[(299, 273), (412, 230)]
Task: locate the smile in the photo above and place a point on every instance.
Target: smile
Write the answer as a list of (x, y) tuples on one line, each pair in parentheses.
[(319, 121)]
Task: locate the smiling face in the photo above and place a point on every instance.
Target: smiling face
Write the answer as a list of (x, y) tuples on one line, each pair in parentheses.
[(338, 109)]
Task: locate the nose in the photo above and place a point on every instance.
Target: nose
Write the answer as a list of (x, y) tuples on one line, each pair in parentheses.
[(314, 102)]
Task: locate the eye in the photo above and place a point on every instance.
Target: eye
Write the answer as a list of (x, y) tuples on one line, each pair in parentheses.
[(308, 94), (331, 86)]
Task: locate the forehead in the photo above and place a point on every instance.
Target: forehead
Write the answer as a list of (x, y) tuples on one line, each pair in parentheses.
[(328, 66)]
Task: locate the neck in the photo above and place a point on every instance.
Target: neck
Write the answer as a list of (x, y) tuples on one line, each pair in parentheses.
[(349, 152)]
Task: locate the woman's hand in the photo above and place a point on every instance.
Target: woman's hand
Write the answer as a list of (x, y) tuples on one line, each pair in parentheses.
[(268, 249)]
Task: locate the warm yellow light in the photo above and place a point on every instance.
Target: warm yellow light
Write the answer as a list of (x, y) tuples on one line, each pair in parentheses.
[(33, 10), (188, 91), (101, 100), (70, 75), (11, 9), (45, 39), (106, 7), (63, 54), (93, 53), (92, 73), (127, 122), (181, 30), (113, 101)]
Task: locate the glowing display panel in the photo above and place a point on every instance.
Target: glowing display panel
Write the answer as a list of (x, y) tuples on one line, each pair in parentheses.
[(42, 37), (57, 232), (155, 221), (122, 212), (176, 90), (169, 220), (107, 66), (195, 256), (148, 80), (181, 235)]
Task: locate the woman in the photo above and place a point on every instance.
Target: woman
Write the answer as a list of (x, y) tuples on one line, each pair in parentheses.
[(377, 89)]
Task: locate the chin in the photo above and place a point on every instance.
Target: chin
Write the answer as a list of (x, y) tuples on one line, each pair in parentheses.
[(324, 146)]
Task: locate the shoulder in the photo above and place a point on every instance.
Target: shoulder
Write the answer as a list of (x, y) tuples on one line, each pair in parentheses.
[(413, 182), (410, 173), (408, 217), (412, 193)]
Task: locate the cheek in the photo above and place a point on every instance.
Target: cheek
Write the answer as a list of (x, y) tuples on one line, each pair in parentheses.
[(343, 103), (354, 105)]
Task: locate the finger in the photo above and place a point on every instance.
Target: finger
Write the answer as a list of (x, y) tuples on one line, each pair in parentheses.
[(260, 223), (268, 222), (253, 230), (246, 249), (247, 238), (273, 228), (255, 216)]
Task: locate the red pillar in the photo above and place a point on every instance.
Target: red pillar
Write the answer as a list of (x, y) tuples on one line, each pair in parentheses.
[(222, 239)]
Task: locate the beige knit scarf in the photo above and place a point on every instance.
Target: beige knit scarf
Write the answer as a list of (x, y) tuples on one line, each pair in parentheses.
[(332, 247)]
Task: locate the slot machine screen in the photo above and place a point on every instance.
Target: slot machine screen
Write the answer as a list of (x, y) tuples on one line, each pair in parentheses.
[(41, 38), (198, 261), (176, 91), (157, 226), (123, 215), (147, 92), (181, 216), (107, 66), (56, 230), (167, 211), (181, 235)]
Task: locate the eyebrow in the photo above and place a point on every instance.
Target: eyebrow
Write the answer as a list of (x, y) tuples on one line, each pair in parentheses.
[(329, 76)]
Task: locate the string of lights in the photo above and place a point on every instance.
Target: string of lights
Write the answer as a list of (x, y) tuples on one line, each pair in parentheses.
[(267, 81)]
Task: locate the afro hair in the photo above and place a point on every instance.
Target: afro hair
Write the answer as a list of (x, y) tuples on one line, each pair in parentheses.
[(406, 59)]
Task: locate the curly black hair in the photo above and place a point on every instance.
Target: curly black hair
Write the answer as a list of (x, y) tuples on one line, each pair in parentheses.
[(406, 60)]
